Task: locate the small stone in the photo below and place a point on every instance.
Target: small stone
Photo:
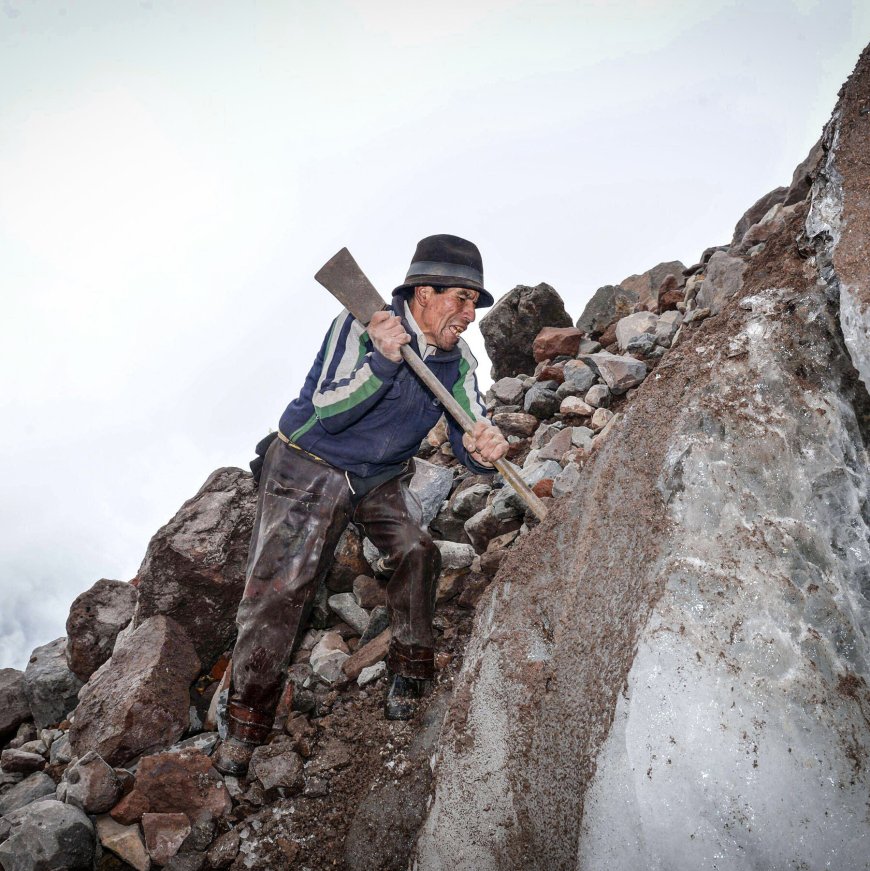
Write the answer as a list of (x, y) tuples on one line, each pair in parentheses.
[(541, 400), (619, 373), (164, 834), (366, 655), (469, 501), (588, 346), (598, 396), (508, 391), (553, 342), (329, 666), (21, 762), (124, 841), (379, 621), (601, 418), (278, 766), (454, 555), (371, 673), (517, 424), (566, 481), (32, 788), (633, 326), (345, 605), (92, 785), (573, 406), (223, 850), (316, 787)]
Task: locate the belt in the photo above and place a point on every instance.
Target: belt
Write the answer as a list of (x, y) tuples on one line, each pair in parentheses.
[(301, 450)]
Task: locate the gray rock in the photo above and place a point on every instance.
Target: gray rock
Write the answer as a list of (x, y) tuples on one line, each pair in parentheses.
[(431, 484), (541, 401), (345, 605), (379, 620), (507, 504), (61, 751), (92, 785), (371, 673), (634, 325), (20, 761), (508, 391), (14, 707), (609, 304), (510, 327), (150, 670), (588, 346), (469, 501), (574, 406), (723, 279), (667, 327), (95, 619), (803, 176), (619, 373), (578, 375), (567, 480), (48, 835), (757, 211), (278, 765), (194, 568), (30, 789), (485, 525), (598, 396), (581, 437), (455, 556), (645, 345), (51, 688)]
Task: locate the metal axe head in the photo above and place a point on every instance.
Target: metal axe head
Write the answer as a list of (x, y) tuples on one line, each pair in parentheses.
[(343, 278)]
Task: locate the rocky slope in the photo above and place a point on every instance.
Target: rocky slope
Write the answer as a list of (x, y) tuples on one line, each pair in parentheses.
[(669, 672)]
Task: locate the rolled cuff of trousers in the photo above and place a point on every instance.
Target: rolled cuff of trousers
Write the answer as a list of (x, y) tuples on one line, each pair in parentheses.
[(248, 725), (411, 660)]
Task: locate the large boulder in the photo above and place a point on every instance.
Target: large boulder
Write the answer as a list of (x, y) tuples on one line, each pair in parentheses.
[(647, 284), (194, 568), (723, 279), (51, 688), (674, 664), (95, 619), (138, 701), (608, 305), (757, 211), (48, 836), (510, 327), (14, 707), (29, 790)]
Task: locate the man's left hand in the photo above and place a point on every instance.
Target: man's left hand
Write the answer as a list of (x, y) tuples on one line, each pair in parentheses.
[(485, 443)]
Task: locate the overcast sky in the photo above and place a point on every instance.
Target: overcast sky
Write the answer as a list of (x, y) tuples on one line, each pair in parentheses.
[(172, 175)]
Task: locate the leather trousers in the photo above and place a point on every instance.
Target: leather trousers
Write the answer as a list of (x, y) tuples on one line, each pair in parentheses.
[(304, 505)]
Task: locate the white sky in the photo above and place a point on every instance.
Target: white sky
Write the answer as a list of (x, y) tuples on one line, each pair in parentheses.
[(172, 174)]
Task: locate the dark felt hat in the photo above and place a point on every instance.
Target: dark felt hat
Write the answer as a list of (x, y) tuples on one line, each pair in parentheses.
[(447, 261)]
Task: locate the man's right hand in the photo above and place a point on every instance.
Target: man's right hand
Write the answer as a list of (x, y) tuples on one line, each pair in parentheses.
[(388, 335)]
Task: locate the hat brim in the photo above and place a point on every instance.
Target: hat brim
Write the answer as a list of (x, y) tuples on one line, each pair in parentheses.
[(484, 300)]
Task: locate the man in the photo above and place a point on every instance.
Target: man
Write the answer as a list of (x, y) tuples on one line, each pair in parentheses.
[(343, 453)]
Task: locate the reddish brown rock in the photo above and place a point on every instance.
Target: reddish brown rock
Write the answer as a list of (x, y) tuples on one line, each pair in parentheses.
[(369, 592), (516, 423), (490, 561), (278, 766), (181, 782), (558, 445), (555, 342), (95, 619), (349, 562), (194, 568), (367, 655), (647, 284), (138, 701), (551, 372), (164, 834), (544, 488), (130, 808)]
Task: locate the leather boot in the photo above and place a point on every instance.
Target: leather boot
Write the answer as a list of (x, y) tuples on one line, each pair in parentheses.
[(233, 757), (403, 697)]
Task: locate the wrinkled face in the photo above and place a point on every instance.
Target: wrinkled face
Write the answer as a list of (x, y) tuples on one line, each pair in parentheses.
[(443, 316)]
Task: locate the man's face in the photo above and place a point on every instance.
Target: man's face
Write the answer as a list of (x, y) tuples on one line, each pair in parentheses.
[(443, 316)]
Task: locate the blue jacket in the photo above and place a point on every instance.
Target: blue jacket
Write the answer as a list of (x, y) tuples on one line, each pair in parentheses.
[(364, 413)]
